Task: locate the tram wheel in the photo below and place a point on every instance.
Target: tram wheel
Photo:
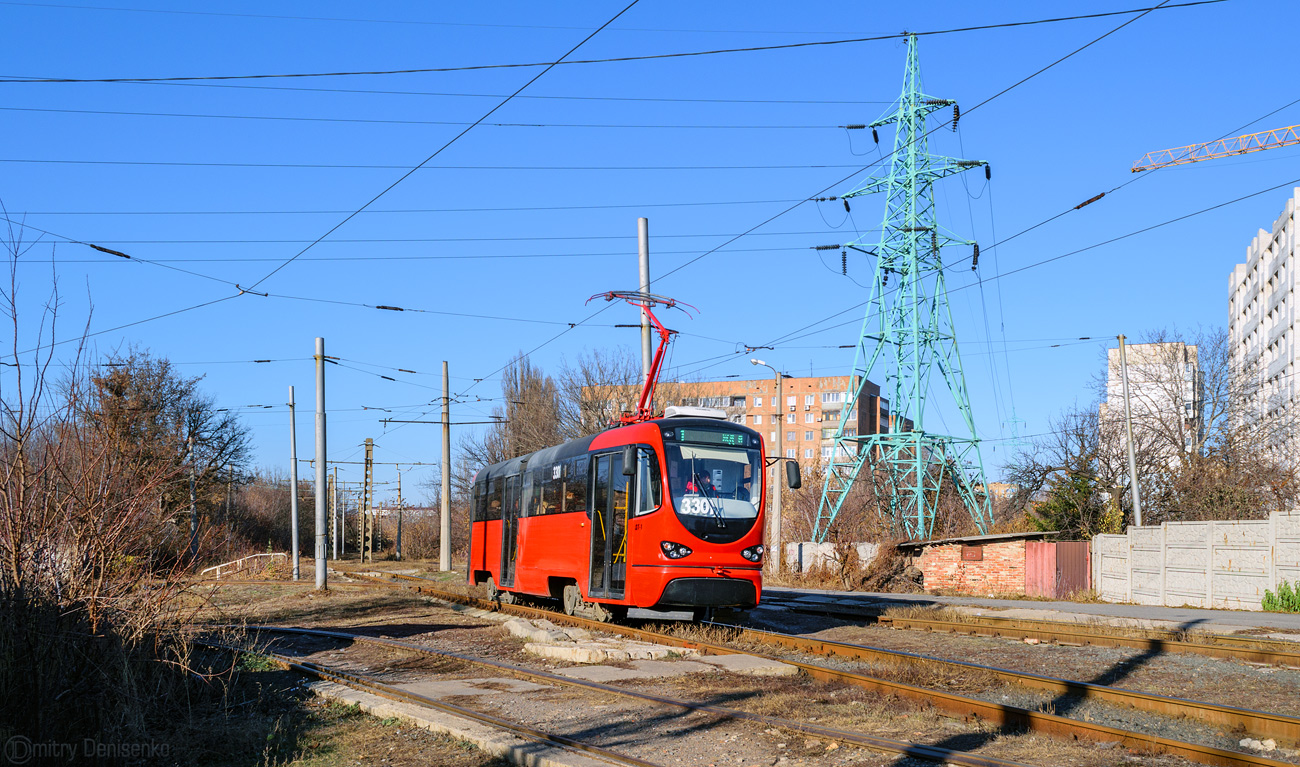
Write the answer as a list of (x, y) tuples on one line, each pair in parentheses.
[(572, 599), (493, 593)]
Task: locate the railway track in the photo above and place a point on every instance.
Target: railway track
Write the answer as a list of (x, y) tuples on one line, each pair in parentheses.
[(1265, 724), (373, 686), (1248, 649), (359, 681)]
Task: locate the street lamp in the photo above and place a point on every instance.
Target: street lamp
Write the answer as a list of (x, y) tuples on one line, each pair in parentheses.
[(774, 538)]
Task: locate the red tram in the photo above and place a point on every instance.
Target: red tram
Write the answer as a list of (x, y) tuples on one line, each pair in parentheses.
[(663, 514)]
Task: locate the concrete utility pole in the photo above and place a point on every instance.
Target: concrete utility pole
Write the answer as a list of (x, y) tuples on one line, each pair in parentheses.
[(334, 511), (774, 525), (367, 490), (1128, 430), (194, 507), (293, 482), (444, 521), (643, 255), (230, 490), (321, 470), (398, 545)]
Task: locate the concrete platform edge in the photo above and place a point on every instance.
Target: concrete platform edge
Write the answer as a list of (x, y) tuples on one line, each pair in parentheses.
[(520, 751)]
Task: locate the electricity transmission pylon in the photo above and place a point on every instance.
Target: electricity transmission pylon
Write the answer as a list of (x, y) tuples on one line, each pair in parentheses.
[(908, 337)]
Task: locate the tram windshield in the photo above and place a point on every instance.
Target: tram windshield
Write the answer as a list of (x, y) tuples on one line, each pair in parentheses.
[(716, 488)]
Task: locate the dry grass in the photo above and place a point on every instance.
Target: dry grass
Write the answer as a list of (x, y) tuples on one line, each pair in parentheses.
[(272, 721)]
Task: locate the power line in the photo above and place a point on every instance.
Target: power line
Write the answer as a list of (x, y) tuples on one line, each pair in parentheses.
[(440, 149), (84, 336), (422, 257), (391, 211), (345, 166), (373, 240), (372, 121), (354, 20), (982, 103), (382, 307), (646, 57), (118, 254), (820, 192), (447, 94)]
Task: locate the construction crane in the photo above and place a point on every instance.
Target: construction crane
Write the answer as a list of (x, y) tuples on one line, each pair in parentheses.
[(1251, 142)]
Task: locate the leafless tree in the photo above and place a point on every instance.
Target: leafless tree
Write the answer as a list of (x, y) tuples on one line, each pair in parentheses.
[(1209, 442)]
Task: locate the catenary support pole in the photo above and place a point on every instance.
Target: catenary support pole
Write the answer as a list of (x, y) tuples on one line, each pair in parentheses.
[(1128, 432), (194, 508), (444, 521), (293, 482), (334, 511), (397, 547), (643, 259), (773, 561), (321, 469)]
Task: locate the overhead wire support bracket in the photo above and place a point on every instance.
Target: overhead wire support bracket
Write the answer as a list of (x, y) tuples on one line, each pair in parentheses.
[(645, 404)]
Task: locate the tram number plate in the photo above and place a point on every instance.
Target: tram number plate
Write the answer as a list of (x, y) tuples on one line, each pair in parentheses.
[(698, 505)]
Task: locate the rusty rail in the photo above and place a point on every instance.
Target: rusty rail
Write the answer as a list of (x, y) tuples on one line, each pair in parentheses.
[(906, 748)]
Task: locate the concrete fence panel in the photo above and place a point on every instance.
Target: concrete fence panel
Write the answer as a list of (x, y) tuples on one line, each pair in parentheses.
[(1286, 549), (1110, 561), (1202, 564)]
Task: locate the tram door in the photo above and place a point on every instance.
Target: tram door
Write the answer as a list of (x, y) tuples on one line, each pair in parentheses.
[(609, 511), (510, 531)]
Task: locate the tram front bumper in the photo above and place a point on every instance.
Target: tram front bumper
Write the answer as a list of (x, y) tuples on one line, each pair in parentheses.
[(709, 592)]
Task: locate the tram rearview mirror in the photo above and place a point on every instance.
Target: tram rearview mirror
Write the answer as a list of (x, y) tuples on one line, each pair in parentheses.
[(629, 460), (792, 478)]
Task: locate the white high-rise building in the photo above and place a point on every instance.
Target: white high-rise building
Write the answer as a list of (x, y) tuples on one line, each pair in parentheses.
[(1262, 312), (1164, 384)]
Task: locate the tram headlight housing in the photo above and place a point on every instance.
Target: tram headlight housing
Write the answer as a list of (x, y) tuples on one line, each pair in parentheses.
[(753, 553), (674, 550)]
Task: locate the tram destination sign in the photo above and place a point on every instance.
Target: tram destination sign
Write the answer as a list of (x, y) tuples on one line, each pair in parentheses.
[(710, 437)]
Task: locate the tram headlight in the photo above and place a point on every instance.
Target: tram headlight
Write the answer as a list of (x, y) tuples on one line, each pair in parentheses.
[(674, 550), (753, 553)]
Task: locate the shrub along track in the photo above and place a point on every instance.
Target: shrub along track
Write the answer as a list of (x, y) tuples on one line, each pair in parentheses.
[(1263, 724)]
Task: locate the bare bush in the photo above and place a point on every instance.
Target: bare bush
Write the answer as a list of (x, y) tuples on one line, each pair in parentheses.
[(90, 550)]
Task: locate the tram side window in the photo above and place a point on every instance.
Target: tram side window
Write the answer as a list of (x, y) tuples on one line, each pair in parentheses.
[(552, 489), (528, 494), (477, 502), (649, 481), (575, 484), (495, 486)]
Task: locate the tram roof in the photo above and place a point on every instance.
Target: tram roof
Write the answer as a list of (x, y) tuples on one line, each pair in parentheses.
[(580, 446)]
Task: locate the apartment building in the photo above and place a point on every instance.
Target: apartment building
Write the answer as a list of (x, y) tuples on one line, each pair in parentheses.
[(1262, 312), (1164, 383), (807, 415)]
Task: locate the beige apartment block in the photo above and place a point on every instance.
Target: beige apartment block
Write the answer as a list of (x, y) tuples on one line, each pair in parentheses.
[(807, 415)]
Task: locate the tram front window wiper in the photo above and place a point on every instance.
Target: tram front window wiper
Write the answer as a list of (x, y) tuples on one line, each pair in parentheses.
[(714, 502)]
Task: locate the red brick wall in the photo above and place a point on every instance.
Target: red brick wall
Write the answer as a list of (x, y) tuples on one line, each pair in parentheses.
[(1001, 571)]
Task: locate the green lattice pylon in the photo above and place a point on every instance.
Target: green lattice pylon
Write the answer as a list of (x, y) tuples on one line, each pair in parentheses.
[(908, 338)]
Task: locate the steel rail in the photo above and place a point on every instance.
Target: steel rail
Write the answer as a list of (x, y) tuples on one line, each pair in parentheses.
[(1225, 646), (957, 705), (906, 748), (375, 687), (1263, 724)]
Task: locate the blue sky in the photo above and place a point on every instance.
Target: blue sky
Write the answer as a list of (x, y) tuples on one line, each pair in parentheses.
[(528, 222)]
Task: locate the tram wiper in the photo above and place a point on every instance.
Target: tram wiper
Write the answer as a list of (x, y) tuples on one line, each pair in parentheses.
[(715, 503)]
